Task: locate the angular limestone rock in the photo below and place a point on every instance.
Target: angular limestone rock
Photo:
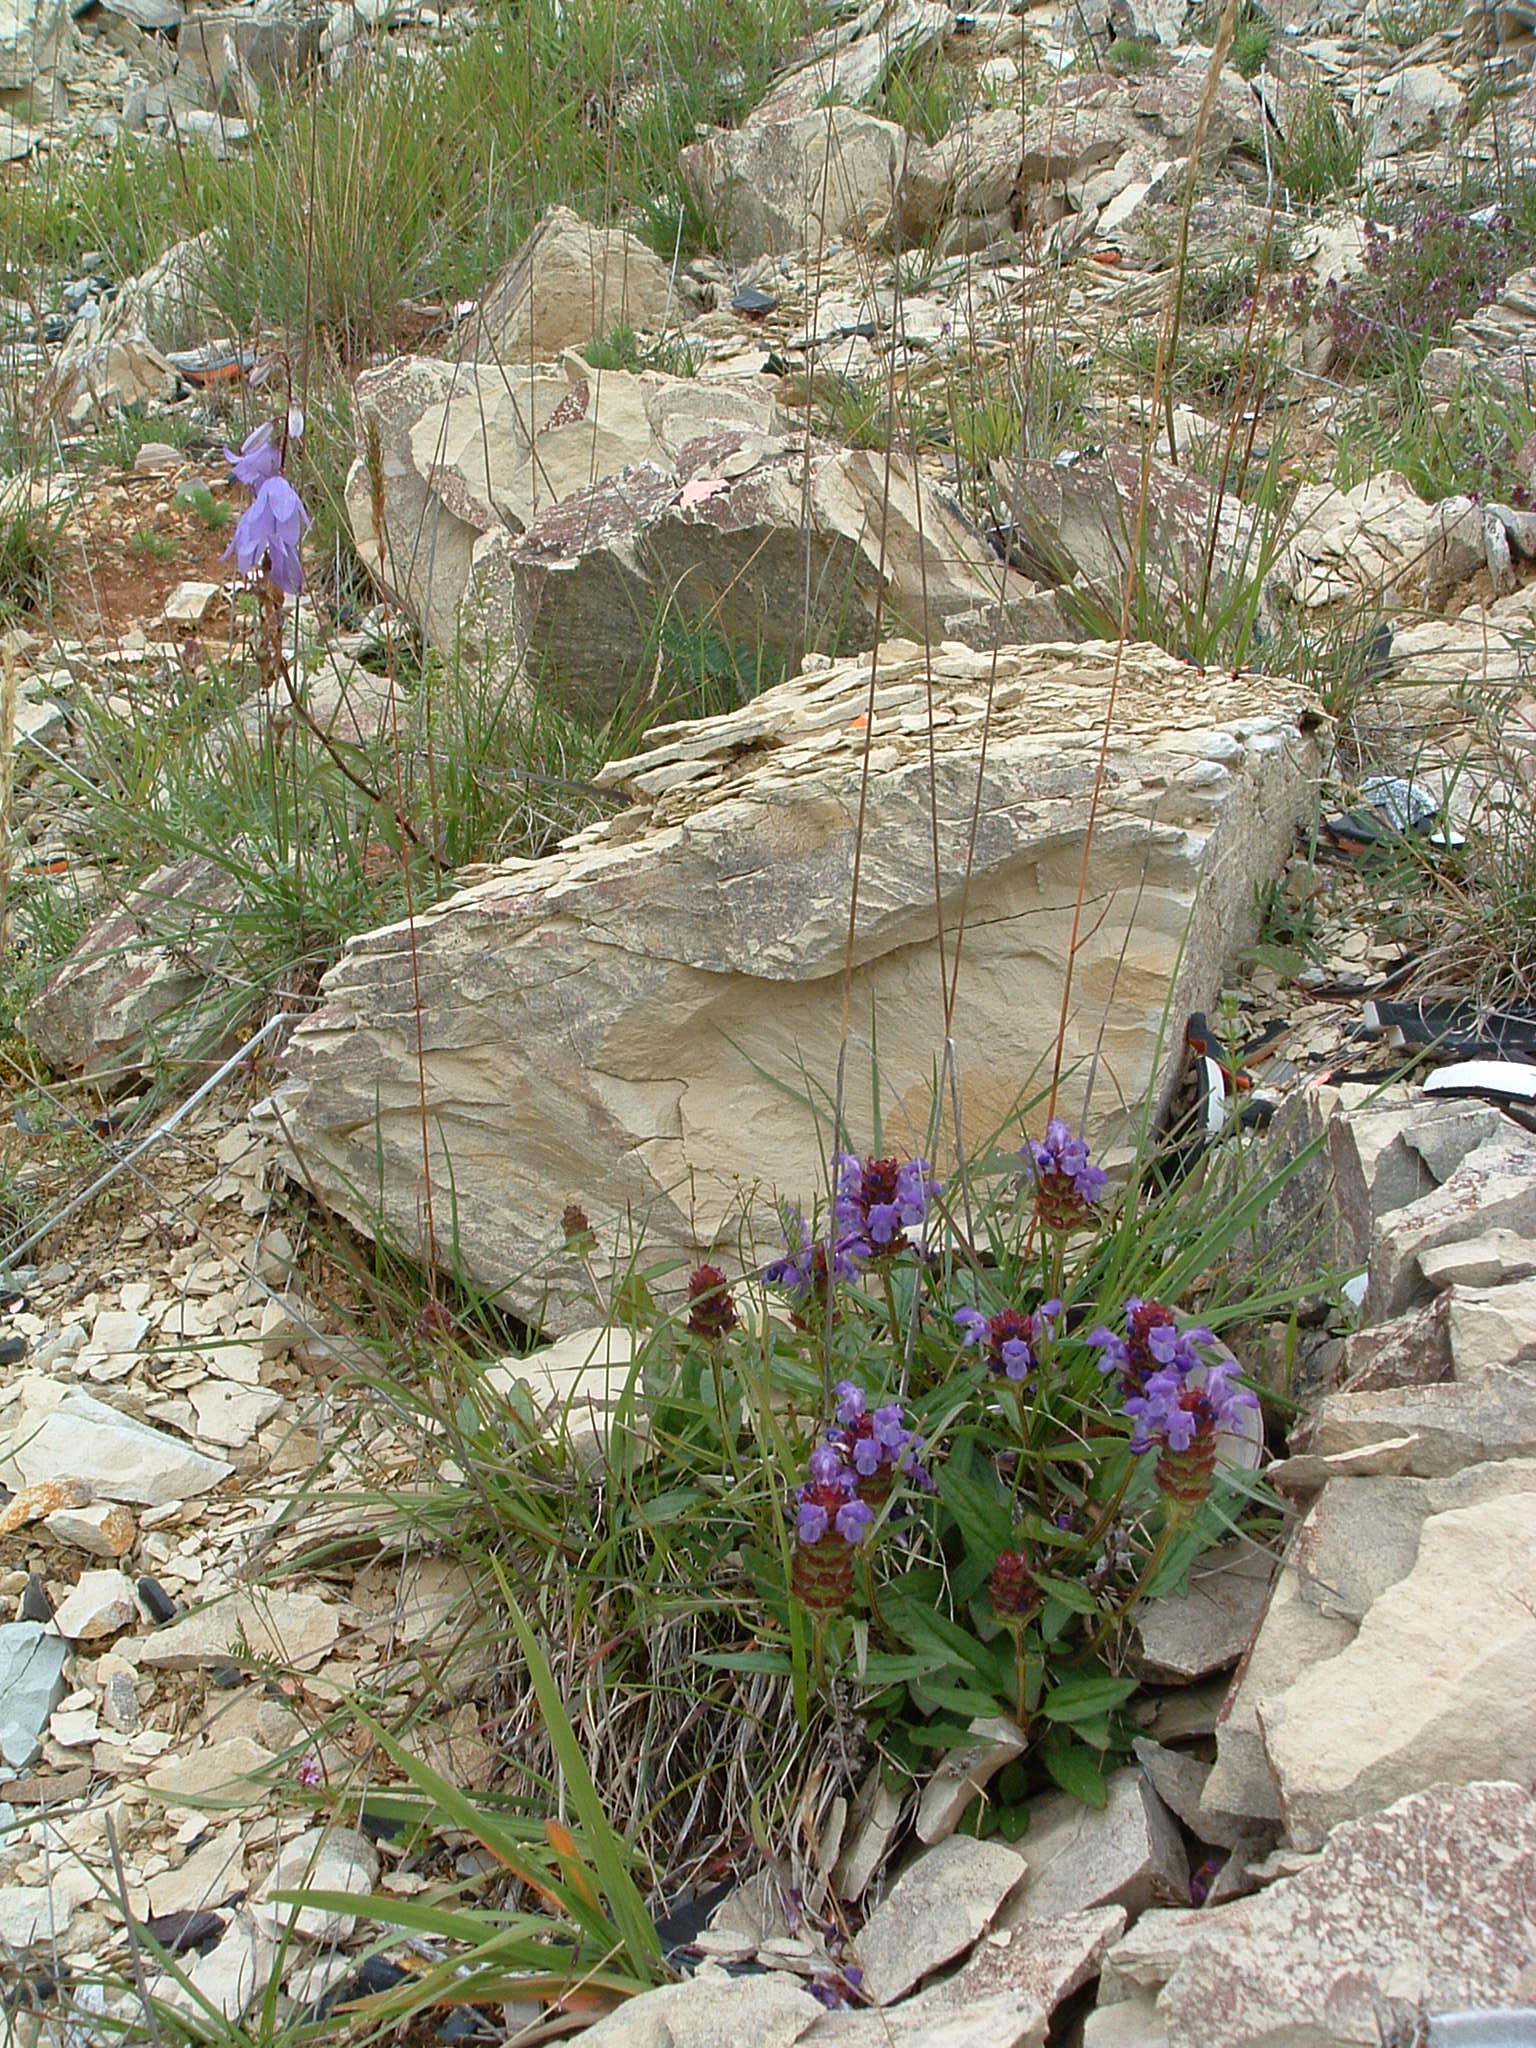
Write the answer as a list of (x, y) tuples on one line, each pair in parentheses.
[(1439, 1686), (1416, 1907), (471, 449), (709, 2009), (1129, 1853), (1187, 1636), (294, 1628), (571, 284), (782, 187), (54, 1430), (783, 556), (612, 1024), (934, 1911), (1491, 1188)]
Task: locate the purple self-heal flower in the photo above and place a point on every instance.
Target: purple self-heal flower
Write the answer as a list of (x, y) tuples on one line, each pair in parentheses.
[(1153, 1342), (853, 1520), (268, 533), (877, 1446), (1011, 1340), (878, 1200), (1067, 1183), (260, 457), (805, 1272)]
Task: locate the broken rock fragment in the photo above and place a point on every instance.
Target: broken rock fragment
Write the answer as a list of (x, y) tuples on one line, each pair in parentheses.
[(599, 1021)]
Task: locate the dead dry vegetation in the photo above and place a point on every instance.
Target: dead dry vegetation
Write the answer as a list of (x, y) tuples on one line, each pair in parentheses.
[(705, 1149)]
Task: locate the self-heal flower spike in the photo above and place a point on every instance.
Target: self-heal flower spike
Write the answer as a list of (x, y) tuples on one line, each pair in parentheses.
[(1153, 1342), (878, 1446), (1015, 1591), (711, 1311), (1011, 1340), (830, 1522), (879, 1200), (806, 1272), (268, 533), (1068, 1186), (1181, 1420)]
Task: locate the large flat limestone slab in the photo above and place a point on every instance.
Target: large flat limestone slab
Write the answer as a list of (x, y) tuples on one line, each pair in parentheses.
[(629, 1022)]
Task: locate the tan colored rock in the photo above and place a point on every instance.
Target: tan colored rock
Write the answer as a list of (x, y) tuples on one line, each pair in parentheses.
[(934, 1911), (1438, 1687), (596, 1024), (797, 186), (295, 1629), (964, 1774), (468, 449), (1292, 1636), (1128, 1853), (783, 556), (1491, 1188), (1187, 1636), (224, 1773), (571, 284), (102, 1529), (1412, 1909), (99, 1604), (36, 1503)]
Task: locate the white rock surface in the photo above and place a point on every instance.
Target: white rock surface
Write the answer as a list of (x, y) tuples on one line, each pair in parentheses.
[(54, 1430), (710, 2010), (571, 284), (1439, 1686), (934, 1911), (1127, 1853), (596, 1022), (320, 1860), (294, 1628), (777, 187), (99, 1604)]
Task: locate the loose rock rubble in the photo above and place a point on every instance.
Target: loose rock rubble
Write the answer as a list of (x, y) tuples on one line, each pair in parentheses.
[(1327, 1830)]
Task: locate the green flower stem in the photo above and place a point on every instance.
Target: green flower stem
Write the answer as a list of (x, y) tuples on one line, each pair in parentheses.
[(1174, 1522)]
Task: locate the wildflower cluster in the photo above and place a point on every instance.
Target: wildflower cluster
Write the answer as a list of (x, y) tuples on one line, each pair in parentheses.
[(849, 1475), (1179, 1406), (879, 1200), (1014, 1342), (1437, 266), (810, 1267), (1068, 1186)]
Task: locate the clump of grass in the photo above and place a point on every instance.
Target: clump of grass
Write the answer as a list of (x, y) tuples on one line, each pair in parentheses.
[(1128, 55), (1322, 149), (214, 512), (922, 95), (619, 350), (117, 442), (30, 537), (1405, 26), (1250, 47)]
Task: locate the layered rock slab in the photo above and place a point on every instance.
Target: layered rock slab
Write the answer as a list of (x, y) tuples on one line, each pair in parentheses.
[(627, 1022)]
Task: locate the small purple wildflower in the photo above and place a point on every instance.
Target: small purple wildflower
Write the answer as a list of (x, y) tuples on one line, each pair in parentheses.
[(260, 457), (1068, 1186), (802, 1271), (309, 1773), (876, 1445), (828, 1500), (268, 533), (1172, 1413), (1012, 1340), (878, 1200), (1153, 1342)]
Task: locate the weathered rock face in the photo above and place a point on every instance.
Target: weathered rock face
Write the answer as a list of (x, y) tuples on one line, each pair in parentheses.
[(788, 557), (1406, 1911), (833, 174), (469, 448), (624, 1022), (572, 283)]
